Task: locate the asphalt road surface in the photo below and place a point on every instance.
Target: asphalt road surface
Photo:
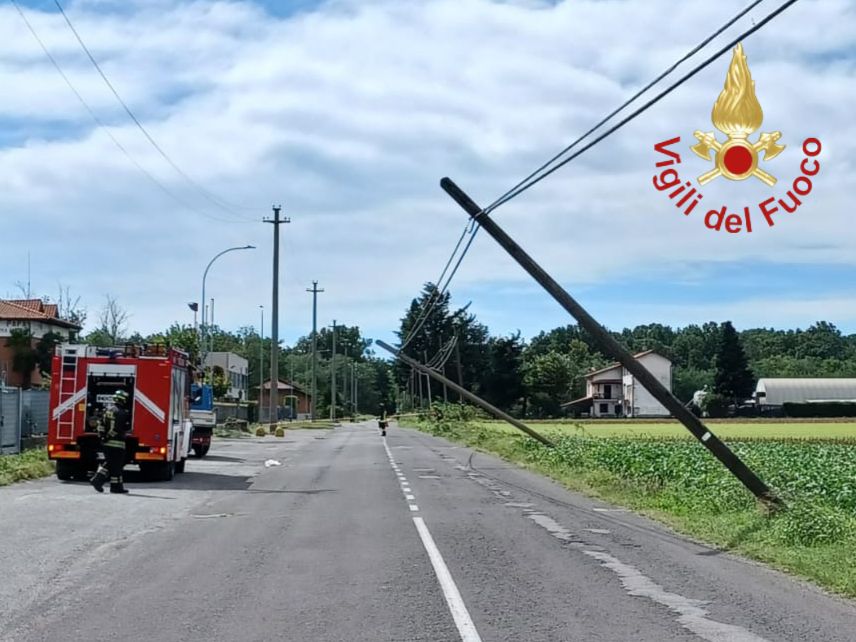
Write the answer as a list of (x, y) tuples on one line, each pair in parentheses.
[(355, 538)]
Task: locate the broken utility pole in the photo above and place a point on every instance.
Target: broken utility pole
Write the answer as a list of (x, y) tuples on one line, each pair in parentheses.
[(611, 347), (496, 412)]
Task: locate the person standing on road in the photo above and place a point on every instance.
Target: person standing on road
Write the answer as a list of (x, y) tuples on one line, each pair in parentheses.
[(117, 424)]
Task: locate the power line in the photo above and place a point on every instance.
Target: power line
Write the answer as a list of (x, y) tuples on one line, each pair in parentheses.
[(205, 193), (665, 73), (527, 184), (101, 125)]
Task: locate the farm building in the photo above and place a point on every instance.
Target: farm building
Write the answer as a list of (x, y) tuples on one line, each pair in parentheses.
[(773, 393), (614, 392)]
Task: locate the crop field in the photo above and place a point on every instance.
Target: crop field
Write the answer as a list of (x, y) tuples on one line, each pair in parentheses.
[(651, 468), (769, 429)]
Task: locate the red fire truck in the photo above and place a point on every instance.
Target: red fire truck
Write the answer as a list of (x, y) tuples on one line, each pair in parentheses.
[(83, 382)]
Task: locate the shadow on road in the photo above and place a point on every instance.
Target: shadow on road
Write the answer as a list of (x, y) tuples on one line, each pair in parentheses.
[(238, 460)]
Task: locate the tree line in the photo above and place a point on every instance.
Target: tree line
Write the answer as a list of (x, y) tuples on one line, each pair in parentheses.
[(533, 378)]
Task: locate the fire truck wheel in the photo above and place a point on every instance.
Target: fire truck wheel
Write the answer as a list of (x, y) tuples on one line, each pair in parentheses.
[(200, 450), (179, 467), (66, 470), (167, 471)]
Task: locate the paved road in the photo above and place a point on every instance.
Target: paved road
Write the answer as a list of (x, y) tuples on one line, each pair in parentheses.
[(356, 538)]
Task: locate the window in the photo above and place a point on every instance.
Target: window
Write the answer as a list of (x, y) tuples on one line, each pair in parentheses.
[(604, 408), (607, 391)]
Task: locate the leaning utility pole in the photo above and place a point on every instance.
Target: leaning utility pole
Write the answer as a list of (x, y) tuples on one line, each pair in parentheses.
[(611, 347), (333, 376), (433, 374), (314, 292), (274, 329)]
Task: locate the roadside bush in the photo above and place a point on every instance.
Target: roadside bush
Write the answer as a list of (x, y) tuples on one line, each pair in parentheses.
[(280, 432), (261, 432)]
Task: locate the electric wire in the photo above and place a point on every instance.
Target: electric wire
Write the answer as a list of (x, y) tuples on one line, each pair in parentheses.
[(204, 192), (429, 303), (627, 102), (101, 125), (525, 185)]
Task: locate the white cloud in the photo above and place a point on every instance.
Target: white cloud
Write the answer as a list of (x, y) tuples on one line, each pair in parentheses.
[(350, 114)]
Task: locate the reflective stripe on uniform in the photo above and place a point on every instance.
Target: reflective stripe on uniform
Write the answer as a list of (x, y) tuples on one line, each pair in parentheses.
[(115, 444)]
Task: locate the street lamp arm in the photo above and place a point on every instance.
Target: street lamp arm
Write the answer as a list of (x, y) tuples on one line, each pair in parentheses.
[(204, 277)]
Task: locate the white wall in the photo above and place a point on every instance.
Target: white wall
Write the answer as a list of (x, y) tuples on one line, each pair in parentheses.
[(38, 328), (643, 403)]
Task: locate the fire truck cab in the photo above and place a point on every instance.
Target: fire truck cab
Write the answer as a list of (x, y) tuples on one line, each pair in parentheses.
[(84, 379)]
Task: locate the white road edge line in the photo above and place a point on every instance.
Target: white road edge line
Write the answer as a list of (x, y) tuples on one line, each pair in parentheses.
[(465, 625)]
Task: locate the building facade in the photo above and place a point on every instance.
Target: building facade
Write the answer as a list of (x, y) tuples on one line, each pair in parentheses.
[(236, 370), (36, 317), (614, 392), (772, 393)]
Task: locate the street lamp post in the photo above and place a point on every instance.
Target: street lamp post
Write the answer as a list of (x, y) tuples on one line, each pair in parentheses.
[(204, 277), (261, 361)]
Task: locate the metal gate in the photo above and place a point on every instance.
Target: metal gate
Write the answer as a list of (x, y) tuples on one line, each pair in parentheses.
[(10, 420), (35, 408)]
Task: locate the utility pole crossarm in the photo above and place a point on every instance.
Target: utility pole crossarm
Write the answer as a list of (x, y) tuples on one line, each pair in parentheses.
[(608, 344)]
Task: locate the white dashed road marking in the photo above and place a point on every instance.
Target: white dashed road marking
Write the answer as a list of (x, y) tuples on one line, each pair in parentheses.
[(463, 621)]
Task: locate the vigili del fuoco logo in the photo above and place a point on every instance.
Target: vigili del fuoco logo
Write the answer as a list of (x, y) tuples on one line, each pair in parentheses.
[(737, 114)]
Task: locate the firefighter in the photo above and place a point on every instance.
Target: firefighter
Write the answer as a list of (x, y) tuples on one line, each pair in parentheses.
[(116, 424)]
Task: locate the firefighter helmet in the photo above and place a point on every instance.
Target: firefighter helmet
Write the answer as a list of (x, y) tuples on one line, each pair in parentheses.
[(120, 397)]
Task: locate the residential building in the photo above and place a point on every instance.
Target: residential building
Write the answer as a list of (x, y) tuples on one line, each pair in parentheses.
[(39, 318), (771, 393), (294, 401), (236, 370), (614, 392)]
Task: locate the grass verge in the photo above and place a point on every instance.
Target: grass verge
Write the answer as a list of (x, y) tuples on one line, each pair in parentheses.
[(678, 483), (30, 464)]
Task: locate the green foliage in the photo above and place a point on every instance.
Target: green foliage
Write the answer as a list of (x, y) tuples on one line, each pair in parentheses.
[(24, 356), (45, 349), (261, 431), (30, 464), (715, 405), (220, 384), (733, 379), (279, 432)]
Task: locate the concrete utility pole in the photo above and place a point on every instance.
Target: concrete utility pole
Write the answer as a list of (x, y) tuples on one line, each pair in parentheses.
[(610, 346), (314, 292), (274, 327), (261, 360), (333, 376)]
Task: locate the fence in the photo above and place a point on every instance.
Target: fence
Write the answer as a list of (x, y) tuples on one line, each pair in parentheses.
[(23, 414)]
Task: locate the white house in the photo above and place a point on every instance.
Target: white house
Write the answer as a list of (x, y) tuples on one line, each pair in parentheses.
[(236, 369), (614, 392)]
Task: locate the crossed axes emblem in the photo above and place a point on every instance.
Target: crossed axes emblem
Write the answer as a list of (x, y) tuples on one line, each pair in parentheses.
[(767, 143)]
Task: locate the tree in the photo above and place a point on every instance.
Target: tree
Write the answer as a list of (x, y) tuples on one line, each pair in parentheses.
[(113, 320), (733, 380), (548, 378), (24, 356), (503, 383), (45, 349)]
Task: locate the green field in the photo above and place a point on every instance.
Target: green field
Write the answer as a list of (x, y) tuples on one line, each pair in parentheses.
[(650, 468), (725, 430)]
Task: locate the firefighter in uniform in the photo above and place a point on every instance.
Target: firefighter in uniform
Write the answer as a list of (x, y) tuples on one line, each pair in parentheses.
[(116, 424)]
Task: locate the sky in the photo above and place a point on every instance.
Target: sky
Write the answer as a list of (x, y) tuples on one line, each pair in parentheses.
[(348, 113)]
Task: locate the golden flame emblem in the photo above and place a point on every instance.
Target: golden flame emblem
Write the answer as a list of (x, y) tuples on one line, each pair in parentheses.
[(737, 114)]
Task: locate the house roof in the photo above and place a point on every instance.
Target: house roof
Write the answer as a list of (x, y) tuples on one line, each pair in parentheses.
[(800, 390), (33, 310), (578, 402), (618, 365), (284, 386)]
